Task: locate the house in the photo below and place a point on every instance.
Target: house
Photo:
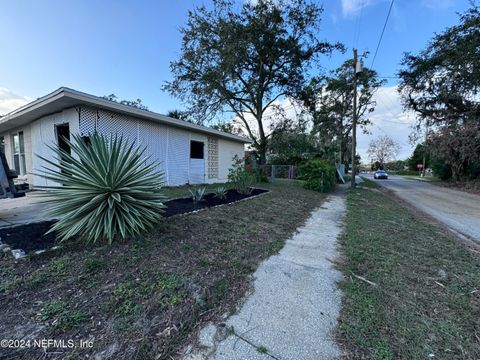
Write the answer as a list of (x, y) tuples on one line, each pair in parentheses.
[(185, 152)]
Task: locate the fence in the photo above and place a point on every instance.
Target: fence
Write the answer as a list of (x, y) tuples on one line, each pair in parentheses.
[(276, 172)]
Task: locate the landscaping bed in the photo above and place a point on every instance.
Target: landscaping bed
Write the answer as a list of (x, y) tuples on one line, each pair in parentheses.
[(186, 205), (33, 237), (29, 237), (411, 291), (147, 297)]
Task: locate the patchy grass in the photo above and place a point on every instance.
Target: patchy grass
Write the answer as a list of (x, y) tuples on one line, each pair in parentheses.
[(147, 297), (425, 301)]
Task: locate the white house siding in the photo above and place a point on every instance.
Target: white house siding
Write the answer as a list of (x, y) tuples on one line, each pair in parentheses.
[(227, 150), (43, 134), (27, 140), (167, 145)]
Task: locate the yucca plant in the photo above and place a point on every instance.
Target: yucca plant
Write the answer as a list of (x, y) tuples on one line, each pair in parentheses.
[(221, 192), (105, 190), (197, 194)]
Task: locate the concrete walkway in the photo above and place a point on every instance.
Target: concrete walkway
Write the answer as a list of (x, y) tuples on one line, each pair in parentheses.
[(293, 310), (22, 210)]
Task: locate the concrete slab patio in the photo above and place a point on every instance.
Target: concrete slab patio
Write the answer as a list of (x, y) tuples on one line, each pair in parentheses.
[(22, 210), (293, 310)]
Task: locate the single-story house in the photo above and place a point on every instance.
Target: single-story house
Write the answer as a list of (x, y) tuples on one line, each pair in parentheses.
[(187, 153)]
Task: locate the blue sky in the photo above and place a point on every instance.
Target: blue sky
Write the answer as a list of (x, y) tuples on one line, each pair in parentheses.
[(125, 47)]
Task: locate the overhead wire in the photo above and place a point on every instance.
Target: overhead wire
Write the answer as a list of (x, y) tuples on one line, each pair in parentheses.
[(383, 32)]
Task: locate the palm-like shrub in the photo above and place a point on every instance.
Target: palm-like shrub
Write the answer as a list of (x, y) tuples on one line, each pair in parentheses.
[(105, 190)]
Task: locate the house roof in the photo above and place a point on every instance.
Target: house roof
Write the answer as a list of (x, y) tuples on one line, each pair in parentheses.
[(64, 98)]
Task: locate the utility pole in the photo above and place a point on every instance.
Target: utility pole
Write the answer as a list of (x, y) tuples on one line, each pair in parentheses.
[(354, 119), (425, 149)]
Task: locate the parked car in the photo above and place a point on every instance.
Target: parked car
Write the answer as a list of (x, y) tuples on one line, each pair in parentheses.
[(380, 174)]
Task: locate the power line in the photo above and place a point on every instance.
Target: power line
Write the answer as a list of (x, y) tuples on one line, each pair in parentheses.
[(358, 23), (383, 31)]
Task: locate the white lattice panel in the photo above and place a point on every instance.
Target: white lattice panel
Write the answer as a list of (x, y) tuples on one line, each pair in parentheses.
[(110, 123), (154, 137), (87, 120), (178, 156)]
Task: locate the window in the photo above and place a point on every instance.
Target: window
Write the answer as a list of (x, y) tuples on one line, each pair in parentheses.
[(18, 145), (196, 150)]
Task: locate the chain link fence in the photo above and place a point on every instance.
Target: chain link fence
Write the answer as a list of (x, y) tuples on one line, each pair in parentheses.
[(278, 172)]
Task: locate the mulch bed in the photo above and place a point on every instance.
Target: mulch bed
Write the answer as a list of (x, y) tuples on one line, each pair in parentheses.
[(33, 237), (186, 205), (29, 237)]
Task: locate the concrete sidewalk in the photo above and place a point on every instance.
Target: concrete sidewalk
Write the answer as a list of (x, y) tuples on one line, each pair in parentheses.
[(293, 311), (22, 210)]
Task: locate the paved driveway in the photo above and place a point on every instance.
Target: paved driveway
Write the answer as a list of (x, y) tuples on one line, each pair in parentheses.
[(459, 210), (21, 210)]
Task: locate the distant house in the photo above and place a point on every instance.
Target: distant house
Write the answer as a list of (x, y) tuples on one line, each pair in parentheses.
[(185, 152)]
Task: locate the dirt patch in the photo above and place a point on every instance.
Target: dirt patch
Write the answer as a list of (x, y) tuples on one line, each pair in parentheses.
[(147, 297), (471, 186)]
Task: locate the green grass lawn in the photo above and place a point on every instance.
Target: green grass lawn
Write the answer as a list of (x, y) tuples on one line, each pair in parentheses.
[(145, 298), (420, 178), (426, 299)]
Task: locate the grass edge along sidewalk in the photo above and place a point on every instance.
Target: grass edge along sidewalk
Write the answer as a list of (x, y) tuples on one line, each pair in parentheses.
[(410, 291), (148, 296)]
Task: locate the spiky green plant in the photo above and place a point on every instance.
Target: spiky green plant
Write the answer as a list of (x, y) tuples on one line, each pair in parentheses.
[(221, 192), (106, 189), (197, 194)]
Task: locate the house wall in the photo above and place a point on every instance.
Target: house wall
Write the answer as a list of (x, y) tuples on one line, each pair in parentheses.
[(27, 139), (227, 150), (168, 146), (43, 134)]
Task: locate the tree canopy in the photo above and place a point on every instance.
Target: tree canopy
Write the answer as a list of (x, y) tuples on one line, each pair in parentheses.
[(329, 100), (244, 60), (383, 149), (441, 84), (133, 103)]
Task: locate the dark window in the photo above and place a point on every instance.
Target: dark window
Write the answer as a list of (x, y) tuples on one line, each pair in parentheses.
[(63, 136), (196, 150)]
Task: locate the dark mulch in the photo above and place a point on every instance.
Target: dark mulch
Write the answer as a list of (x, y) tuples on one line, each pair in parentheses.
[(186, 205), (146, 298), (30, 237)]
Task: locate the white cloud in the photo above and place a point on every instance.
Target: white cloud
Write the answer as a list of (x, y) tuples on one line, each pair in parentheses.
[(389, 118), (10, 101), (352, 7)]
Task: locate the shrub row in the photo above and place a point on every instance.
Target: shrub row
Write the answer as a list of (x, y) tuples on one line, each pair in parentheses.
[(318, 175)]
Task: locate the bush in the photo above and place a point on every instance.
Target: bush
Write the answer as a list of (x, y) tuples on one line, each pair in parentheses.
[(241, 178), (441, 170), (318, 175), (107, 190)]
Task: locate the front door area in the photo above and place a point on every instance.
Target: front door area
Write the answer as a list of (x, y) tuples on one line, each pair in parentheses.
[(197, 162)]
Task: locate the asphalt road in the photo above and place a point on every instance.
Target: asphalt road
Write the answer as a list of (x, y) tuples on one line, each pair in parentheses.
[(458, 210)]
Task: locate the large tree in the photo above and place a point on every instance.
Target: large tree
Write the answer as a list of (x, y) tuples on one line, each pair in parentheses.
[(383, 149), (244, 60), (441, 84), (329, 99)]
